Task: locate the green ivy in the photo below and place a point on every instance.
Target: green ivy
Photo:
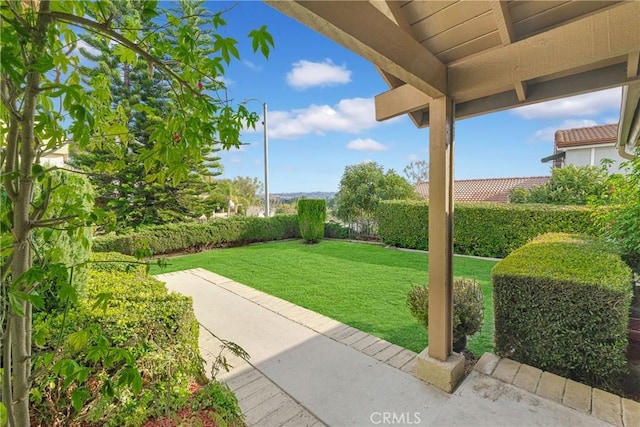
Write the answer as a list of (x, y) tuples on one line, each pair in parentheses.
[(561, 303)]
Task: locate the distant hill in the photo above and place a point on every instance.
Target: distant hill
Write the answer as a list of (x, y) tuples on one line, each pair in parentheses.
[(309, 195)]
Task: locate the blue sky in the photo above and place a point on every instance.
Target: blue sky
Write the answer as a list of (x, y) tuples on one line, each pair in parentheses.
[(322, 116)]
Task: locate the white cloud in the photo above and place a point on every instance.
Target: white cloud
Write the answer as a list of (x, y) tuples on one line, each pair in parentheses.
[(349, 115), (87, 47), (306, 74), (589, 105), (548, 134), (235, 159), (366, 144), (413, 158), (223, 79), (252, 65)]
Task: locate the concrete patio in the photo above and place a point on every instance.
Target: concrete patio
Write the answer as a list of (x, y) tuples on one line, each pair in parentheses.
[(309, 370)]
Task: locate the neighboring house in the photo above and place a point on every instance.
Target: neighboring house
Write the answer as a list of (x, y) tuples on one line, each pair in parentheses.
[(586, 147), (58, 157), (485, 190)]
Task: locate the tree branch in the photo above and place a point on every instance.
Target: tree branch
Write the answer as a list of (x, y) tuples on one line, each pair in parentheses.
[(49, 222), (12, 159), (107, 31)]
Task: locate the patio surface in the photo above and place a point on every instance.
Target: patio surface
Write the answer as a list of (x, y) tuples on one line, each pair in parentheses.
[(309, 370)]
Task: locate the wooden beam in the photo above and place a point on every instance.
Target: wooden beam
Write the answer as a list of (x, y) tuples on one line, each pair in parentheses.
[(507, 36), (521, 90), (401, 100), (503, 21), (395, 8), (611, 33), (362, 28), (632, 64), (588, 81), (441, 228)]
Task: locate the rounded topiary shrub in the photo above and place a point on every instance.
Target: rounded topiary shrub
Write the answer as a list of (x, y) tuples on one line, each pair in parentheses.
[(467, 308), (311, 216)]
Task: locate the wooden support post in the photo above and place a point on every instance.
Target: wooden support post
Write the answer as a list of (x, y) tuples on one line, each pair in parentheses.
[(441, 126)]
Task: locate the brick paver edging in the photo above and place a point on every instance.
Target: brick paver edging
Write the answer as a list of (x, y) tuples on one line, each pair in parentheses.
[(601, 404)]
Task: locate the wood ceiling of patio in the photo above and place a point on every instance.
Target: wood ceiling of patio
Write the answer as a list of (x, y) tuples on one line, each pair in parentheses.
[(485, 55)]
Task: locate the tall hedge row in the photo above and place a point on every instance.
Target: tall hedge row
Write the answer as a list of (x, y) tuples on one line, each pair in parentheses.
[(481, 229), (311, 216), (193, 236), (561, 303)]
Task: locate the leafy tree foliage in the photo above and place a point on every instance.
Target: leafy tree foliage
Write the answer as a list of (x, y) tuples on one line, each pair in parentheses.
[(47, 99), (362, 187), (570, 185), (617, 211), (417, 171), (123, 187), (241, 191)]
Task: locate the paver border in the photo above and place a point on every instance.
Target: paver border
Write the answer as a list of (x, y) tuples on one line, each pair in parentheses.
[(605, 406), (370, 345), (598, 403)]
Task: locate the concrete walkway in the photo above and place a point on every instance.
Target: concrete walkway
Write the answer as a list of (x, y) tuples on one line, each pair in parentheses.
[(309, 370)]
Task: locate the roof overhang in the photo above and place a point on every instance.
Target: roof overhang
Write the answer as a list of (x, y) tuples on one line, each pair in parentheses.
[(629, 126), (485, 55)]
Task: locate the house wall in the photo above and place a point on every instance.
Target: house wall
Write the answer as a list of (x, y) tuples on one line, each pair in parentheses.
[(593, 155)]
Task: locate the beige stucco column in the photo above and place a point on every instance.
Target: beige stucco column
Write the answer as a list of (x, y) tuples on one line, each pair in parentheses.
[(438, 365)]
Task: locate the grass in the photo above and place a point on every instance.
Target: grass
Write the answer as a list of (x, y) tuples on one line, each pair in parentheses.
[(362, 285)]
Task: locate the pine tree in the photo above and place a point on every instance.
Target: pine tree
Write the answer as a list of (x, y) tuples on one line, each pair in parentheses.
[(126, 182)]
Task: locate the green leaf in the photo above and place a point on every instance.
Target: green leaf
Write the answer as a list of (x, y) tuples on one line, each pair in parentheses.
[(78, 340), (78, 397), (131, 377), (102, 300), (16, 303), (261, 39), (173, 20), (3, 414), (107, 388), (43, 64)]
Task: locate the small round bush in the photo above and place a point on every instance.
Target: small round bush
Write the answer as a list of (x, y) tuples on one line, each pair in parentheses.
[(467, 306)]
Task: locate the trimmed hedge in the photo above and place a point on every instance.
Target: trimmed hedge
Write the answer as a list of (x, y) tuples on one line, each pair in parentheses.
[(561, 303), (311, 216), (115, 262), (194, 236), (481, 229), (334, 230)]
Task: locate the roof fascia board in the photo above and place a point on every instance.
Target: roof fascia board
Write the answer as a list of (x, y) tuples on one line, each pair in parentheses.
[(610, 33)]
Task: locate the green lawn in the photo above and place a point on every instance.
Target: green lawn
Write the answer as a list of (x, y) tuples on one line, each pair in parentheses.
[(359, 284)]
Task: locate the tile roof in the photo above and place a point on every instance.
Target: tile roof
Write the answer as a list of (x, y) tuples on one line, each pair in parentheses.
[(485, 190), (604, 134)]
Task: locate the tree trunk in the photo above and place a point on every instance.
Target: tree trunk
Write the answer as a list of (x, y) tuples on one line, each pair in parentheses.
[(20, 317)]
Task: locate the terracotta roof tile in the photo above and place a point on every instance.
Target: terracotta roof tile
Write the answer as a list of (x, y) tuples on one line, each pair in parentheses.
[(586, 136), (485, 190)]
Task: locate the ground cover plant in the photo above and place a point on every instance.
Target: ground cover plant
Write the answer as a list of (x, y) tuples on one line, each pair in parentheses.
[(141, 365), (359, 284)]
